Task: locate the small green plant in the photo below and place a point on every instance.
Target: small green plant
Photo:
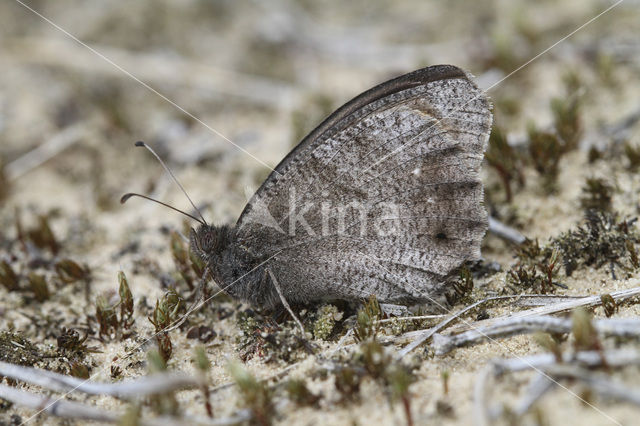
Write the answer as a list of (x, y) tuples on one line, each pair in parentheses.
[(79, 370), (601, 240), (464, 285), (107, 311), (69, 271), (632, 152), (347, 383), (163, 316), (367, 326), (545, 151), (584, 333), (445, 381), (298, 392), (547, 342), (567, 122), (257, 397), (39, 287), (536, 268), (188, 270), (399, 378), (597, 194), (69, 340), (8, 278), (505, 160), (204, 366), (268, 340), (42, 236), (106, 316), (609, 305), (162, 403), (166, 310)]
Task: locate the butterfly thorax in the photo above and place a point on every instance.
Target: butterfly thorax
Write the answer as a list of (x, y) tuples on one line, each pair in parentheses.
[(233, 268)]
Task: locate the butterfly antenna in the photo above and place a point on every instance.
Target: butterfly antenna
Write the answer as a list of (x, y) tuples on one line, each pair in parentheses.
[(175, 179), (128, 195)]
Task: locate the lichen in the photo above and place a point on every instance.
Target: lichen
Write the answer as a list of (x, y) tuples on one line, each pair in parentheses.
[(324, 325)]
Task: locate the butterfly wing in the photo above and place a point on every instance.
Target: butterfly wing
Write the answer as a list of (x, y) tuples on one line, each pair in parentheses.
[(384, 197)]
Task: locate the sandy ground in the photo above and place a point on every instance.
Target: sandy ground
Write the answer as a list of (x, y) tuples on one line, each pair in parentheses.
[(263, 74)]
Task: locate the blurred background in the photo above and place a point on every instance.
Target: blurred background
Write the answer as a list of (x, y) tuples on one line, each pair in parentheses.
[(262, 74)]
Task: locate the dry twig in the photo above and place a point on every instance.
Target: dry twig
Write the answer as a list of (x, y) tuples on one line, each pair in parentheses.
[(513, 326), (154, 384)]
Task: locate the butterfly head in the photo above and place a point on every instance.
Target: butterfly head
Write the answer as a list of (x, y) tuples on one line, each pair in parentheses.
[(207, 242)]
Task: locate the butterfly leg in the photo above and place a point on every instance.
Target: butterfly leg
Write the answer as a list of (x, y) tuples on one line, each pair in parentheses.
[(284, 301)]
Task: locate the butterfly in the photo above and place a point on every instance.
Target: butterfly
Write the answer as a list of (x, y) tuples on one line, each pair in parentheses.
[(383, 198)]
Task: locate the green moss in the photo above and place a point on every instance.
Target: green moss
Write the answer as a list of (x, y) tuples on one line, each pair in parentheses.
[(38, 285), (298, 392), (367, 320), (505, 161), (601, 240), (256, 396), (545, 151), (632, 152), (567, 121), (269, 341), (8, 278), (597, 194), (15, 349), (536, 268)]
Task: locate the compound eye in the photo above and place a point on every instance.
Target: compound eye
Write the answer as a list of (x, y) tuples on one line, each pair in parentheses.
[(206, 243), (206, 239)]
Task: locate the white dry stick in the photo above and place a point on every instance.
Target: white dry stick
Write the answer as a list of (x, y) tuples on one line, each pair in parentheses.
[(597, 382), (514, 326), (505, 232), (421, 336), (573, 366), (60, 408), (481, 391), (75, 410), (45, 151), (154, 384), (537, 388), (424, 335), (553, 308), (614, 358)]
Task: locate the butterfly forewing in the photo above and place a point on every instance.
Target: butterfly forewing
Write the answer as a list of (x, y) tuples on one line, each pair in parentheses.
[(382, 198)]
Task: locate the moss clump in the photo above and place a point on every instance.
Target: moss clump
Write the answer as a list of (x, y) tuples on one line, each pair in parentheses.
[(15, 349), (299, 393), (324, 325), (257, 397), (8, 278), (545, 151), (597, 194), (271, 342), (567, 122), (367, 325), (463, 286), (505, 161), (601, 240), (536, 268), (632, 152)]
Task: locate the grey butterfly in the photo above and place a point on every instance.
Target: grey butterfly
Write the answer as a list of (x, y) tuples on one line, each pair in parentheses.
[(383, 198)]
